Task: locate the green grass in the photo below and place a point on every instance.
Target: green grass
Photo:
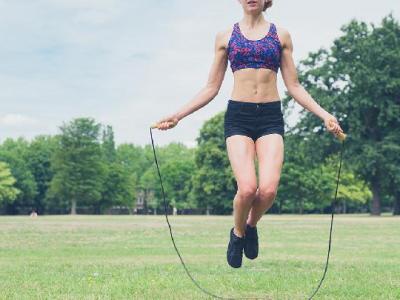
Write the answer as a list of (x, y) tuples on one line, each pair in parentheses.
[(131, 257)]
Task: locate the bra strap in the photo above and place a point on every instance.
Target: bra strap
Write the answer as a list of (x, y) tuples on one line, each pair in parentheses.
[(273, 28)]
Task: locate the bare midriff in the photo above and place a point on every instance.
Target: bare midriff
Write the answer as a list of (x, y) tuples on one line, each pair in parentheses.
[(255, 85)]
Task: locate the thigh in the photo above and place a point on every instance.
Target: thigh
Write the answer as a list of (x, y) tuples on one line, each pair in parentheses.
[(270, 155), (241, 153)]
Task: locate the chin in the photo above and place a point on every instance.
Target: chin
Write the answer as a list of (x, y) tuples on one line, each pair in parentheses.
[(253, 11)]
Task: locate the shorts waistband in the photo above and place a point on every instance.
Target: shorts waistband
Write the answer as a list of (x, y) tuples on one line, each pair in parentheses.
[(255, 103), (269, 104)]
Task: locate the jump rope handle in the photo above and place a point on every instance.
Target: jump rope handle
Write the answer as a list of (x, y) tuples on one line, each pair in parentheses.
[(154, 126), (341, 136)]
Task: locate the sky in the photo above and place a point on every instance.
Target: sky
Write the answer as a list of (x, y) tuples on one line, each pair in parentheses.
[(128, 63)]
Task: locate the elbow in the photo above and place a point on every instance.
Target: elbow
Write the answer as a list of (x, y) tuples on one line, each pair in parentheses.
[(212, 92), (293, 87)]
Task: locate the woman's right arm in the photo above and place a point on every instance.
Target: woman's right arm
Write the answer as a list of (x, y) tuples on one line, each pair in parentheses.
[(209, 91)]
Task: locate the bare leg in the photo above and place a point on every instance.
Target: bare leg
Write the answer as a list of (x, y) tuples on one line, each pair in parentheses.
[(241, 153), (270, 154)]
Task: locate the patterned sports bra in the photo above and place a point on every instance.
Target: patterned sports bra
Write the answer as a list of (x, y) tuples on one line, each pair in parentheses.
[(262, 53)]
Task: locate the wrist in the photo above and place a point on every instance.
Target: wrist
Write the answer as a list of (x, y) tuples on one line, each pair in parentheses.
[(324, 115), (177, 116)]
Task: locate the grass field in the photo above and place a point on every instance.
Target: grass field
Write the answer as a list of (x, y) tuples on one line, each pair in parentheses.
[(131, 257)]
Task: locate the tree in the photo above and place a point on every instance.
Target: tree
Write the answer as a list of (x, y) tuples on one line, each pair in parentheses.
[(8, 192), (358, 80), (137, 162), (176, 163), (108, 144), (308, 180), (16, 154), (150, 190), (392, 163), (119, 187), (352, 191), (177, 171), (40, 152), (120, 184), (214, 185), (306, 184), (77, 164)]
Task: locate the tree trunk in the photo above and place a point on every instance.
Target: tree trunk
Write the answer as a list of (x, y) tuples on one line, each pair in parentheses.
[(145, 199), (73, 207), (376, 197), (396, 208), (301, 207)]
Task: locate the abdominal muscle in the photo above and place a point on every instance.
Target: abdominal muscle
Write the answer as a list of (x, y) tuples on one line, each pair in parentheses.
[(255, 85)]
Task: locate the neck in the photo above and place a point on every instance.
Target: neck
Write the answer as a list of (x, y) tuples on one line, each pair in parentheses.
[(252, 21)]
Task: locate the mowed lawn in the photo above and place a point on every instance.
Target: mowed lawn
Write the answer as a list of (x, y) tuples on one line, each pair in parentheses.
[(132, 257)]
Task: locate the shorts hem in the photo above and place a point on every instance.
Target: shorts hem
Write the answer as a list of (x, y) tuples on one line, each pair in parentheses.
[(255, 138), (270, 132), (238, 133)]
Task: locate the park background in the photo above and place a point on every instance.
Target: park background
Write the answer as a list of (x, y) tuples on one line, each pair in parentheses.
[(68, 128), (81, 83)]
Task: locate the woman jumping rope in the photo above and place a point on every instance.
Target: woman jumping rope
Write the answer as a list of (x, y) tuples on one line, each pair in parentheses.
[(253, 121)]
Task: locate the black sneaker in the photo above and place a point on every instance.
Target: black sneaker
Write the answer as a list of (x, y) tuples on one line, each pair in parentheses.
[(251, 245), (234, 253)]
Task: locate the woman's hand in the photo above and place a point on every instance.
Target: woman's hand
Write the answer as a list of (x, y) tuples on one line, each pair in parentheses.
[(167, 122), (332, 125)]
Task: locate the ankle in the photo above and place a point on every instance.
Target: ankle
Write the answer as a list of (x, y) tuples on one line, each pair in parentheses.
[(238, 234), (251, 224)]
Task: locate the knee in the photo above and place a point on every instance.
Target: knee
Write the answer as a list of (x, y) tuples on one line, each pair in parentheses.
[(247, 191), (267, 193)]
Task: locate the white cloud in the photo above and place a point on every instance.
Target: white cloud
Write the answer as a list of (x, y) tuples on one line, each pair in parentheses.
[(17, 120)]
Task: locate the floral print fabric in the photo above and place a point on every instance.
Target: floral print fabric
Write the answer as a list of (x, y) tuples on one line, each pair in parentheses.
[(263, 53)]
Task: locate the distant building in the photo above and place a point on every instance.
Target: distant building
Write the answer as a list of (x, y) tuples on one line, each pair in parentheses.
[(143, 199)]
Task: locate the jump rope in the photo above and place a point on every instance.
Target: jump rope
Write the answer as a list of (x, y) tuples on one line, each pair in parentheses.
[(341, 137)]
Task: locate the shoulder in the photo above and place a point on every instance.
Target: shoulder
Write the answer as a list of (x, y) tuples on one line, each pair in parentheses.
[(284, 36), (223, 36)]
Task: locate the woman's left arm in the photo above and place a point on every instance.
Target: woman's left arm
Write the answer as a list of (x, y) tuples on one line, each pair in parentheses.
[(296, 90)]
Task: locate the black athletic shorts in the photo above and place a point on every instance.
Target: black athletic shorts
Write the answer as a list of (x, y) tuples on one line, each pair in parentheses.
[(253, 119)]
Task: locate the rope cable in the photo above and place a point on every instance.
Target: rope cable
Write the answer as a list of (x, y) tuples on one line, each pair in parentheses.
[(333, 204)]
